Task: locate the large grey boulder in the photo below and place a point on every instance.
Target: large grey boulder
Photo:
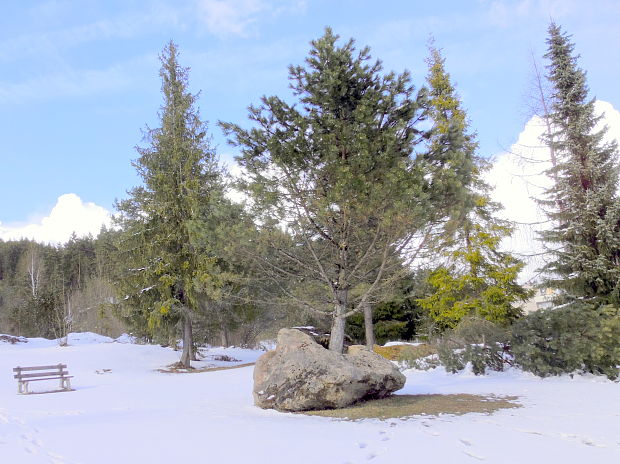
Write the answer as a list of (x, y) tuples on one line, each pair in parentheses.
[(301, 375)]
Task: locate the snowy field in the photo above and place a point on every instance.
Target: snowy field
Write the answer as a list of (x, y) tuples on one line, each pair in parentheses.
[(135, 414)]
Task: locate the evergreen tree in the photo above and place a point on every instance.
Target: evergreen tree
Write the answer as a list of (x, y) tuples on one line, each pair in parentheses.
[(451, 155), (165, 221), (477, 279), (339, 173), (582, 204), (400, 318), (78, 261)]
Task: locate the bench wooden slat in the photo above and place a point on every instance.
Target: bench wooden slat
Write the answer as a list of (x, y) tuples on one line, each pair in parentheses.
[(51, 378), (38, 368), (41, 374)]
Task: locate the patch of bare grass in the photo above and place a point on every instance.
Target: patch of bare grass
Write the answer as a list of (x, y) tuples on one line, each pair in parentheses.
[(403, 406), (405, 352), (179, 369)]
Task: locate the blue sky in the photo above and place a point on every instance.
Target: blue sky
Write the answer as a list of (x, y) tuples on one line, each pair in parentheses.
[(80, 81)]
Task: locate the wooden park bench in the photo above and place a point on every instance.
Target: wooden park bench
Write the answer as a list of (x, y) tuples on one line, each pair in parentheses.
[(24, 375)]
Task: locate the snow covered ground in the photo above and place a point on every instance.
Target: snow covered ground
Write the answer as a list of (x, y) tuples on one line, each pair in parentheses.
[(135, 414)]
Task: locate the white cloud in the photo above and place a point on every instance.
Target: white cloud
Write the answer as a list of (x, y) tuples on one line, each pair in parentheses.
[(70, 83), (225, 18), (236, 173), (518, 178), (239, 17), (69, 215), (49, 44), (503, 13)]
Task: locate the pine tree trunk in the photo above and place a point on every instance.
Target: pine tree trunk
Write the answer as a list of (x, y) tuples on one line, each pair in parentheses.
[(368, 325), (336, 338), (188, 342), (224, 336)]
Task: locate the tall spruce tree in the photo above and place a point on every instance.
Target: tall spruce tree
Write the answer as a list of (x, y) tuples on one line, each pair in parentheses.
[(477, 278), (583, 205), (338, 188), (168, 260)]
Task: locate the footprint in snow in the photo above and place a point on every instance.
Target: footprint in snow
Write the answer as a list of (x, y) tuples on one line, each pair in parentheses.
[(475, 456), (6, 419), (362, 445), (531, 432), (589, 442), (29, 439), (57, 459), (585, 440), (465, 442), (32, 445)]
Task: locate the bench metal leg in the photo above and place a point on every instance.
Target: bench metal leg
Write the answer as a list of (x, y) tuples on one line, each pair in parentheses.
[(65, 384)]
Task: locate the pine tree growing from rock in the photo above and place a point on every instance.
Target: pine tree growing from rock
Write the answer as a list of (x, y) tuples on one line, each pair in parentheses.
[(337, 185)]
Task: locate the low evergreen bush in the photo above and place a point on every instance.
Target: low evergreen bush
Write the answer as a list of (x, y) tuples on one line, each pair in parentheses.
[(569, 339), (475, 341)]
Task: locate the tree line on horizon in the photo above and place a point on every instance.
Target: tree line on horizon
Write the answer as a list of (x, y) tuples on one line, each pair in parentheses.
[(366, 215)]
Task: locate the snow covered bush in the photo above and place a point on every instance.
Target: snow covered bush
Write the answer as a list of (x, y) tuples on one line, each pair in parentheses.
[(421, 356), (475, 341), (480, 356), (569, 339)]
